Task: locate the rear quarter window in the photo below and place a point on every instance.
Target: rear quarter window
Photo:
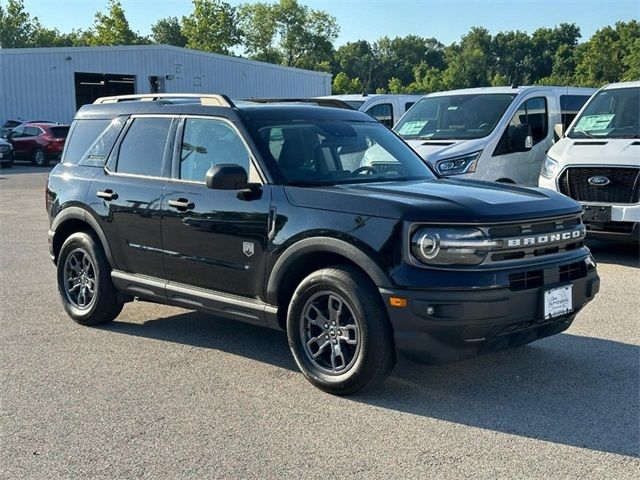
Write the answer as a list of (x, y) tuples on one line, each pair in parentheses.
[(82, 135), (59, 132)]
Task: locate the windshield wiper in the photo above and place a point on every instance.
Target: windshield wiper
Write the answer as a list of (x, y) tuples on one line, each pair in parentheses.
[(585, 133)]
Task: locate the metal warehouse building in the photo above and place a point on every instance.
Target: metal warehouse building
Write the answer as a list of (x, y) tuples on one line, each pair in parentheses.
[(52, 83)]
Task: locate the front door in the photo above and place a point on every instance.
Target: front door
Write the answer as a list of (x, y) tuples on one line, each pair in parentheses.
[(524, 167), (213, 239)]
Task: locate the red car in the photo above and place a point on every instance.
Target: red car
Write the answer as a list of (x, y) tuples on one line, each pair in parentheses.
[(38, 142)]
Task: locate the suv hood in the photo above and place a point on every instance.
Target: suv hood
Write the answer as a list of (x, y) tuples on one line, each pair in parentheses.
[(438, 200), (435, 150), (611, 151)]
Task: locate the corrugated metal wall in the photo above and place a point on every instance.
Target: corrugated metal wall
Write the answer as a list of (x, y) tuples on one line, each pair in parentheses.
[(39, 83)]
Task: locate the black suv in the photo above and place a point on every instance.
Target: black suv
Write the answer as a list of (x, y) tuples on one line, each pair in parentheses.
[(277, 215)]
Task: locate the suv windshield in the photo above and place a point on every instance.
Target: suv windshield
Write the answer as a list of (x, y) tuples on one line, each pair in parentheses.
[(610, 114), (454, 117), (318, 152)]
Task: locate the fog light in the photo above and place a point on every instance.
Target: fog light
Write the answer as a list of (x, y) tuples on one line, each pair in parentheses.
[(430, 310)]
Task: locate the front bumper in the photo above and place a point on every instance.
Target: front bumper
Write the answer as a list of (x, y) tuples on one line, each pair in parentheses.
[(465, 323)]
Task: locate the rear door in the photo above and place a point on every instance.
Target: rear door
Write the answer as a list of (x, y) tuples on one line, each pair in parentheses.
[(127, 194), (214, 239)]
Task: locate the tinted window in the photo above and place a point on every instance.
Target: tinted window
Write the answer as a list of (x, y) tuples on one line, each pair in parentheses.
[(570, 105), (206, 143), (59, 132), (11, 124), (98, 152), (408, 105), (32, 131), (17, 132), (383, 113), (143, 148), (82, 135)]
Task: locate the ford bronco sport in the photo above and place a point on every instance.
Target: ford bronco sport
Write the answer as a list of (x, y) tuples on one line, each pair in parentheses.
[(261, 213)]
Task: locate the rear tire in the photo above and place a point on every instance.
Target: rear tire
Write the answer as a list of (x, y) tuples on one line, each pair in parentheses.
[(40, 158), (339, 331), (84, 281)]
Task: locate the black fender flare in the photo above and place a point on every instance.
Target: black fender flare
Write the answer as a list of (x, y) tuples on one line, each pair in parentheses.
[(77, 213), (328, 245)]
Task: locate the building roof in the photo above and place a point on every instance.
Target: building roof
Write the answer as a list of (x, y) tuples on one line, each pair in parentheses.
[(134, 48)]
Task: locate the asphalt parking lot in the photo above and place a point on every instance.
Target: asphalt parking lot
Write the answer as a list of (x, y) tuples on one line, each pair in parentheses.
[(168, 393)]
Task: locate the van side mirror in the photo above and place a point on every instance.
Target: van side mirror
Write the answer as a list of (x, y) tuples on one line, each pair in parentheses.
[(520, 137), (227, 176), (558, 131)]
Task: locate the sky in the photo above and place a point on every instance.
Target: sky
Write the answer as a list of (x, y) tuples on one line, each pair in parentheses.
[(446, 20)]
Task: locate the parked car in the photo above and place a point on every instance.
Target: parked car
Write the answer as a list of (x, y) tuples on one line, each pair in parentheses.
[(597, 162), (6, 154), (9, 125), (495, 133), (246, 211), (38, 142), (386, 108)]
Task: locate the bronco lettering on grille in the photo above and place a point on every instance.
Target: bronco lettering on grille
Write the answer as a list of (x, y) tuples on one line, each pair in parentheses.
[(546, 238)]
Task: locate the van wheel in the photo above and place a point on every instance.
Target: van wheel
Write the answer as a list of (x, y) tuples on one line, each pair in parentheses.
[(84, 281), (339, 331)]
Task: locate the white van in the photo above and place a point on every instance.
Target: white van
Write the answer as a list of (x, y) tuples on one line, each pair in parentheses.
[(493, 133), (597, 162), (386, 108)]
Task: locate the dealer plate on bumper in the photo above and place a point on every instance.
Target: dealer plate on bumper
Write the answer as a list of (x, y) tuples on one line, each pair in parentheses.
[(558, 301)]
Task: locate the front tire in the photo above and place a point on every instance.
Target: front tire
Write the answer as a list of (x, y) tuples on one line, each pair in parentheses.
[(84, 281), (40, 158), (339, 331)]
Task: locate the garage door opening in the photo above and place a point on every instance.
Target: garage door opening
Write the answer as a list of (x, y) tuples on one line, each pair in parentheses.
[(90, 86)]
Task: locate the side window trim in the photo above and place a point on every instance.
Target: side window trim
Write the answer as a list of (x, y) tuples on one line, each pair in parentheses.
[(111, 163), (174, 168)]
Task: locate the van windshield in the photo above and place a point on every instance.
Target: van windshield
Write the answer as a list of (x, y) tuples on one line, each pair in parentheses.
[(454, 117), (611, 113)]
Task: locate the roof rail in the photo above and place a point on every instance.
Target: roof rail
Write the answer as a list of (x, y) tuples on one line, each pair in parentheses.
[(208, 99)]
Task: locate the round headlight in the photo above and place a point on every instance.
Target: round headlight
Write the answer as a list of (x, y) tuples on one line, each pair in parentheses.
[(429, 245)]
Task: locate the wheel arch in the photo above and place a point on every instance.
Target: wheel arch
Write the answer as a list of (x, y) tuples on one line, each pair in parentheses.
[(72, 220), (308, 255)]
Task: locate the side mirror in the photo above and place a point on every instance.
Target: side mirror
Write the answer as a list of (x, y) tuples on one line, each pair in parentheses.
[(558, 131), (520, 138), (227, 176)]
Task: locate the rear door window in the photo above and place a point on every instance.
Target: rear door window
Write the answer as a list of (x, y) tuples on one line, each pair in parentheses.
[(59, 132), (142, 151), (570, 105)]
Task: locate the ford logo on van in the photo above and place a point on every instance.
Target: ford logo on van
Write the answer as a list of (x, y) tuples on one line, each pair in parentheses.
[(599, 181)]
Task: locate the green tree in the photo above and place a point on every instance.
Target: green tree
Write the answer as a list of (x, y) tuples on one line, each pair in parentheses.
[(290, 33), (357, 60), (510, 51), (112, 28), (212, 27), (342, 84), (16, 25), (399, 56), (470, 64), (609, 54), (167, 31)]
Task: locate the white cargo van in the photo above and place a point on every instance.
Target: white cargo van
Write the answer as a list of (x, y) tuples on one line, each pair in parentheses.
[(493, 133), (597, 162), (386, 108)]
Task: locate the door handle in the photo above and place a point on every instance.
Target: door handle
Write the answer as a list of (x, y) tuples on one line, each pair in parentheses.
[(181, 204), (107, 194)]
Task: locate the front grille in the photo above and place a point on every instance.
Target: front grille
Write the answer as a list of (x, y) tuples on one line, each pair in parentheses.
[(4, 148), (624, 186), (528, 236), (540, 278)]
